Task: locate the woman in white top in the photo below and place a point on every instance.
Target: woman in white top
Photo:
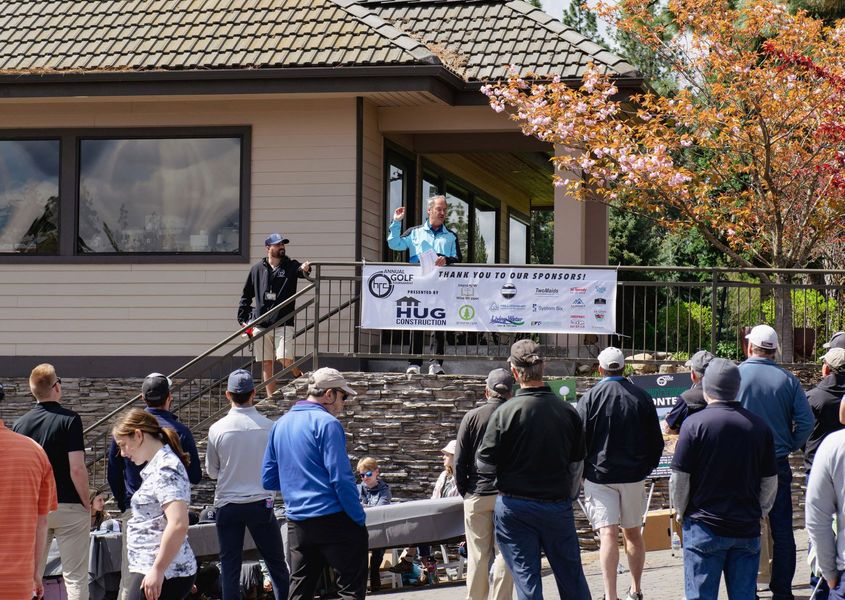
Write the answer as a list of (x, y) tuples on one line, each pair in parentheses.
[(161, 563)]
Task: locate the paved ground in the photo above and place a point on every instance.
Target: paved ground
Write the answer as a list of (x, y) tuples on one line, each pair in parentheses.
[(662, 579)]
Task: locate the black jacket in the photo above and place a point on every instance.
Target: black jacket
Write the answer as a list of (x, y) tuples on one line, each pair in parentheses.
[(263, 278), (621, 430), (824, 401), (470, 435), (534, 446), (689, 403)]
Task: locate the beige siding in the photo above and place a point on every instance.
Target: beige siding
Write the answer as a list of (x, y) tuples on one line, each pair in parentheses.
[(303, 184), (373, 226)]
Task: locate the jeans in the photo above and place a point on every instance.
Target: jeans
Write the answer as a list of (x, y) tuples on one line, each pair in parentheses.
[(838, 592), (708, 555), (336, 541), (523, 529), (783, 539), (232, 519)]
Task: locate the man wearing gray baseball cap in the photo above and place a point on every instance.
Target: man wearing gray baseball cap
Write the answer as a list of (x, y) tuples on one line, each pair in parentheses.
[(306, 460), (723, 482), (479, 493), (692, 400)]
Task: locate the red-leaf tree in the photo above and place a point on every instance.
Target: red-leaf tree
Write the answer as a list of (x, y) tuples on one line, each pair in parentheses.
[(749, 151)]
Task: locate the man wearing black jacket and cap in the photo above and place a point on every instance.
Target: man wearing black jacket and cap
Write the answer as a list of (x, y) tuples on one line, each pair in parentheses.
[(479, 493), (692, 400), (270, 282)]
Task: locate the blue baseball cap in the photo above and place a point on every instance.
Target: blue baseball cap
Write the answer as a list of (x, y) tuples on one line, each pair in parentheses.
[(240, 381), (276, 238)]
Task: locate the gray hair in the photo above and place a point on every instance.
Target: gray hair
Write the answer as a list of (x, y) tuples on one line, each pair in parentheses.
[(529, 373), (764, 352), (434, 199), (614, 372), (316, 392)]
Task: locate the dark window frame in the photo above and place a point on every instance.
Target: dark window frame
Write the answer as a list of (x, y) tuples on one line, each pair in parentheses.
[(396, 155), (69, 175)]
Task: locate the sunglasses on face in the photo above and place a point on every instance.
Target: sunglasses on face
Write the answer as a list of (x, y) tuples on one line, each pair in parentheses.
[(344, 395), (58, 381), (364, 474)]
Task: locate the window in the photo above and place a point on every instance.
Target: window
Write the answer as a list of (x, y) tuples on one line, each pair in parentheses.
[(399, 191), (485, 234), (29, 197), (517, 240), (128, 195), (159, 195)]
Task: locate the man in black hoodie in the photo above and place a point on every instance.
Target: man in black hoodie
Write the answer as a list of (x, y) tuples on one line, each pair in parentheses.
[(825, 400), (692, 400)]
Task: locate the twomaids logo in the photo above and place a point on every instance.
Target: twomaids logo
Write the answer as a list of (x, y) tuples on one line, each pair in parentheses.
[(409, 312), (546, 291)]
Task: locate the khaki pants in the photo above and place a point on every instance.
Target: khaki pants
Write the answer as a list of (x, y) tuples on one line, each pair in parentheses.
[(764, 574), (70, 524), (123, 593), (481, 549)]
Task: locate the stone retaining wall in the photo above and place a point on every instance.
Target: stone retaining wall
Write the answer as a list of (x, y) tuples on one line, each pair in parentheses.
[(401, 422)]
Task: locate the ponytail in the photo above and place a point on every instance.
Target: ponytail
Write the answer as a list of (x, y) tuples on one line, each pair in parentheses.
[(141, 420)]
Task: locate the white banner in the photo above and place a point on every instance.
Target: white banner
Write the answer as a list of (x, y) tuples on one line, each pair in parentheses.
[(489, 298)]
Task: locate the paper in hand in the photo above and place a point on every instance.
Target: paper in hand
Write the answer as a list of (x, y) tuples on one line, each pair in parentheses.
[(427, 261)]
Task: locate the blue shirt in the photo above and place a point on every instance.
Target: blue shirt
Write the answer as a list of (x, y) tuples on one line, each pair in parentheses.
[(417, 240), (776, 396), (306, 460), (726, 450), (124, 476)]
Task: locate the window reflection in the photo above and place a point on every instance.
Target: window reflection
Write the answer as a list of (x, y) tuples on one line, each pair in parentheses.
[(395, 190), (517, 242), (484, 246), (457, 217), (160, 195), (29, 196)]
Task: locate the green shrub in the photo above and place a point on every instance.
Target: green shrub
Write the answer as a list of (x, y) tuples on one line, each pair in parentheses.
[(683, 327)]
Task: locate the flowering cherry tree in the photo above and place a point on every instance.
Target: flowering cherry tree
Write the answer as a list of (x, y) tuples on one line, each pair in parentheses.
[(749, 150)]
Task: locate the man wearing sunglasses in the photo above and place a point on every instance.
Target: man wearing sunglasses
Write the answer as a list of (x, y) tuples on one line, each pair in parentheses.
[(306, 460), (59, 431)]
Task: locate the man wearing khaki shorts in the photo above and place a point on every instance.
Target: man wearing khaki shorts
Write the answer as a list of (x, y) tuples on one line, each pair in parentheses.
[(624, 444), (270, 282)]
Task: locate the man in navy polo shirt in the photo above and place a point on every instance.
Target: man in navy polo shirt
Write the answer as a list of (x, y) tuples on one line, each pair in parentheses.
[(724, 479)]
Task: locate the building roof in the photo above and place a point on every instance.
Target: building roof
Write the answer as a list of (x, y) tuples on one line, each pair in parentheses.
[(474, 39)]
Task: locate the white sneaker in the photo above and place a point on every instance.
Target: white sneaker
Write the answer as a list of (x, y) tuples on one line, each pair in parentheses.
[(412, 370), (435, 369)]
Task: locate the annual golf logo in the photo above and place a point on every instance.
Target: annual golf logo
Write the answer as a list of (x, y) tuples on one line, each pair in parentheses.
[(380, 285)]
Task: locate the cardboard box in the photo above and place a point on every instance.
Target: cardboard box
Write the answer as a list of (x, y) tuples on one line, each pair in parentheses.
[(656, 534)]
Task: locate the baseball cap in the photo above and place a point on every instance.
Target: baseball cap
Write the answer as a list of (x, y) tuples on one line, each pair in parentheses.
[(763, 336), (500, 380), (208, 515), (240, 381), (699, 361), (328, 378), (837, 340), (611, 359), (450, 447), (156, 387), (276, 238), (525, 353), (835, 358), (721, 380)]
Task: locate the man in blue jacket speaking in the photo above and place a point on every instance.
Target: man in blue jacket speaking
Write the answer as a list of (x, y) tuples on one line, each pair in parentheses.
[(306, 460), (432, 235)]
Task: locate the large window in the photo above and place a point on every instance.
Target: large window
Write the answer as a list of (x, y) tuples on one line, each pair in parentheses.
[(399, 193), (29, 196), (517, 240), (162, 195)]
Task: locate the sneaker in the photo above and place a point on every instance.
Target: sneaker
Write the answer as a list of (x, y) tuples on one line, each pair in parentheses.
[(634, 595), (412, 370), (435, 369)]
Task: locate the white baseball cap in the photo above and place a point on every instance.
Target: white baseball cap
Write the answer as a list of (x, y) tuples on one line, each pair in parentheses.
[(763, 336), (611, 359)]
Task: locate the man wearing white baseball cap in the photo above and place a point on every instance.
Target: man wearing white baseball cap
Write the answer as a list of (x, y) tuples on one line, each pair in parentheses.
[(306, 460), (624, 444), (776, 395)]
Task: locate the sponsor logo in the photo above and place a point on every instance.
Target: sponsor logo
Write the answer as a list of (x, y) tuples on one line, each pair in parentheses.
[(466, 312), (600, 315), (494, 307), (508, 291), (409, 312), (577, 316), (577, 290), (536, 323), (546, 291), (575, 323), (601, 301), (600, 289), (467, 291), (664, 379), (545, 308), (380, 285), (509, 321), (577, 302)]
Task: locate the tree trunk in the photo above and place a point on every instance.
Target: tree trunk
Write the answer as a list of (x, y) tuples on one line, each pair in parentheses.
[(783, 318)]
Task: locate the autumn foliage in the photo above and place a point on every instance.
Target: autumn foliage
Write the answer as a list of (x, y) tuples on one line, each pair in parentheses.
[(749, 150)]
